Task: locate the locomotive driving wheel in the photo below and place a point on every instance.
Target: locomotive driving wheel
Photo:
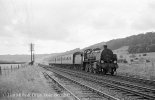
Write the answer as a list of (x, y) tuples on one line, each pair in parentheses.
[(112, 72), (87, 68), (90, 68)]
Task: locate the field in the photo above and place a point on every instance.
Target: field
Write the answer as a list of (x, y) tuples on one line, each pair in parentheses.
[(143, 70), (141, 66)]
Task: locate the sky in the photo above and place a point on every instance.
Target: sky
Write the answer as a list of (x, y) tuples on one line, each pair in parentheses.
[(60, 25)]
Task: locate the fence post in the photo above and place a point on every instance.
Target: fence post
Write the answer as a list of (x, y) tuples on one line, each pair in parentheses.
[(145, 67), (11, 67), (152, 71), (0, 70)]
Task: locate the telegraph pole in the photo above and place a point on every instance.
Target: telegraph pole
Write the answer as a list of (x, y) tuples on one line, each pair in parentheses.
[(31, 45), (32, 53), (33, 57)]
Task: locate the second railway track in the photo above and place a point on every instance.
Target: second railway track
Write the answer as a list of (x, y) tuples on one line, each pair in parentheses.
[(131, 89)]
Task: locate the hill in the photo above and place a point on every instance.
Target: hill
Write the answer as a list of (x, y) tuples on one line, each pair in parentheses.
[(98, 45), (137, 43), (123, 50)]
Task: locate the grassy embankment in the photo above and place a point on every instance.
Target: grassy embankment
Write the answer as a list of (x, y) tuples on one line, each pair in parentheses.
[(143, 70)]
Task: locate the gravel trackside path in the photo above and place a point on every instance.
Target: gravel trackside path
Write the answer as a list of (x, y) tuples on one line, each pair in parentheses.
[(27, 83)]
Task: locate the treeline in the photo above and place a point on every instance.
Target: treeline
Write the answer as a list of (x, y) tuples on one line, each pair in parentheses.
[(137, 43)]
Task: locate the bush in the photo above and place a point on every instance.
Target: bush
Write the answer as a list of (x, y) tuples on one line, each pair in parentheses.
[(147, 60), (125, 61), (144, 54), (122, 61)]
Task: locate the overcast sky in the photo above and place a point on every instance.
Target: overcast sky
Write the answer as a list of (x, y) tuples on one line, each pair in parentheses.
[(61, 25)]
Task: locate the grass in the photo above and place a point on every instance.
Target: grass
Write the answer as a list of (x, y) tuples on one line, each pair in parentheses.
[(143, 70)]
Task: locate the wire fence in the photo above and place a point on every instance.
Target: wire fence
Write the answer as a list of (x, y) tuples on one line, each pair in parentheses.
[(5, 69)]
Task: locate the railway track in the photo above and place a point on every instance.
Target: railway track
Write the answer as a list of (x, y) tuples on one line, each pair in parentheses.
[(132, 89), (78, 90), (137, 80)]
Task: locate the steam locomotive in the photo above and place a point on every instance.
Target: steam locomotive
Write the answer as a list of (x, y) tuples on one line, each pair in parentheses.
[(89, 60)]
